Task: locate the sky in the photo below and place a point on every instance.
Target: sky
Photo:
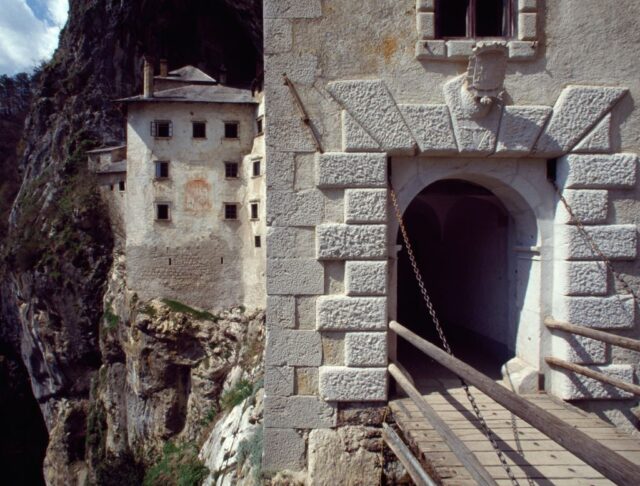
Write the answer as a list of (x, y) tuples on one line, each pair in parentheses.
[(29, 32)]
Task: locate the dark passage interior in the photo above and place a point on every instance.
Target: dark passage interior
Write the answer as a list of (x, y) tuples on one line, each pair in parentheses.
[(460, 235)]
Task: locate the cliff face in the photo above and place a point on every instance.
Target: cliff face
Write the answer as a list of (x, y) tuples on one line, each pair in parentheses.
[(58, 251)]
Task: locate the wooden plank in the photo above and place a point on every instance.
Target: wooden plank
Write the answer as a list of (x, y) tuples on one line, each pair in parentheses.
[(605, 337), (465, 456), (588, 372), (604, 460), (402, 452)]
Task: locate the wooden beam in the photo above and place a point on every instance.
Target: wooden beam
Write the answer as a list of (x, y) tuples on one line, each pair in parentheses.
[(610, 464), (596, 375), (408, 460), (462, 452), (605, 337)]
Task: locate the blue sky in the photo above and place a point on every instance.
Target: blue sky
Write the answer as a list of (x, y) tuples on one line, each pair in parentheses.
[(29, 32)]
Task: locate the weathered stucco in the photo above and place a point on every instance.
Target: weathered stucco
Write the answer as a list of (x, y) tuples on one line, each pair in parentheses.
[(375, 106), (197, 256)]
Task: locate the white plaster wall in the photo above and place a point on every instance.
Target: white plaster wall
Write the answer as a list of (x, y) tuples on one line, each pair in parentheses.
[(197, 239)]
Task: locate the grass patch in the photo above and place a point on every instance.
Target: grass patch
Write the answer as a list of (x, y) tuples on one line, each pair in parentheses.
[(176, 306), (210, 415), (178, 466), (236, 395)]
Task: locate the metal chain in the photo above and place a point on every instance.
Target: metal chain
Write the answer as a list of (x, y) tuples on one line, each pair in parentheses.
[(445, 344), (593, 245)]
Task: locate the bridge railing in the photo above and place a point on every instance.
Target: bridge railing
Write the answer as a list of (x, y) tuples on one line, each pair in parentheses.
[(609, 463)]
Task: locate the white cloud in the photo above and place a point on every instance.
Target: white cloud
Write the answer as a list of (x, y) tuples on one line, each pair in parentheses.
[(25, 39)]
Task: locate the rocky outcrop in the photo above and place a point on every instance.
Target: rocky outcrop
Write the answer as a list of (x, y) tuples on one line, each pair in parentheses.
[(58, 251)]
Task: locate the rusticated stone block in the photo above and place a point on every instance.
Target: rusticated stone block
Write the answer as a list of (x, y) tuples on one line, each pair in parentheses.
[(298, 412), (341, 384), (283, 449), (278, 381), (365, 206), (355, 138), (582, 278), (293, 348), (351, 242), (290, 276), (588, 206), (365, 349), (278, 35), (578, 349), (431, 127), (351, 313), (292, 9), (598, 141), (520, 128), (597, 171), (352, 170), (288, 208), (616, 242), (366, 278), (281, 312), (571, 386), (617, 312)]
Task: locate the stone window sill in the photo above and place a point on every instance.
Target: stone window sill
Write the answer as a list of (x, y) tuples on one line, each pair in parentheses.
[(460, 50)]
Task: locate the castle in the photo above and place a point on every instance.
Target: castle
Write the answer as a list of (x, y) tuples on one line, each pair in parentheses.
[(483, 118)]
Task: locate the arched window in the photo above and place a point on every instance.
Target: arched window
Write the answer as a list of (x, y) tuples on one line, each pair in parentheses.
[(474, 18)]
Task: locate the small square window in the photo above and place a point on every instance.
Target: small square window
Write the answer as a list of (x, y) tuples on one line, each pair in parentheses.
[(162, 169), (256, 168), (161, 129), (474, 18), (257, 241), (255, 210), (260, 125), (121, 186), (230, 211), (231, 130), (163, 212), (199, 130), (231, 170)]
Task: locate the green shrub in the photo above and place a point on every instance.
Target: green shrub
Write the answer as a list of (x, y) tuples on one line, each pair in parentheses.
[(236, 395), (250, 449), (149, 310), (178, 466), (210, 415), (110, 318), (176, 306)]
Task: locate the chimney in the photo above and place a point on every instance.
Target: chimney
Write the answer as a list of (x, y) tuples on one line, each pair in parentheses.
[(148, 78), (164, 68), (222, 76)]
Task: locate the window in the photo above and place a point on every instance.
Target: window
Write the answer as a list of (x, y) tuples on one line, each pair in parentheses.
[(163, 212), (255, 210), (111, 187), (230, 211), (161, 129), (256, 168), (231, 130), (231, 170), (260, 125), (199, 130), (257, 241), (162, 169), (474, 18), (121, 186)]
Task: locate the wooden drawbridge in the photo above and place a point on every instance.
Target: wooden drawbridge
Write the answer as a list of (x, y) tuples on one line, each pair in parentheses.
[(544, 441)]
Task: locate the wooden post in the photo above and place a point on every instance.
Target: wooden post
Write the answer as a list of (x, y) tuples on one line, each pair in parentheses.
[(588, 372), (462, 452), (605, 337), (610, 464), (408, 460)]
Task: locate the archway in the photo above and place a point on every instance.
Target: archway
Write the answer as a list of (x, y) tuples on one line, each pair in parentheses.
[(467, 246)]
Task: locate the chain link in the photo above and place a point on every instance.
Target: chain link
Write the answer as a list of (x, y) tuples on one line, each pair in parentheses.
[(593, 245), (445, 344)]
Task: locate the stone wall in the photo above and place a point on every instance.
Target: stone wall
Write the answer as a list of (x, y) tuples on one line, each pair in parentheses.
[(379, 110)]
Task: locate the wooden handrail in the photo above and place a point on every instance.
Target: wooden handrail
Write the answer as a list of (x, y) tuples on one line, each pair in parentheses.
[(610, 464), (605, 337), (461, 451), (408, 460), (588, 372)]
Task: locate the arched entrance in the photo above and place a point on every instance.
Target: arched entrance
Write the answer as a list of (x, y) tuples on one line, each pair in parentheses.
[(469, 248)]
